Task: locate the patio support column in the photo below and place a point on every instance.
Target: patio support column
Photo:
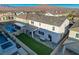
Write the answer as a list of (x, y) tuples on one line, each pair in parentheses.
[(32, 34), (63, 51)]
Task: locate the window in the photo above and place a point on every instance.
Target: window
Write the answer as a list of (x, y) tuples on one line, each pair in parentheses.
[(27, 30), (4, 18), (39, 24), (42, 33), (11, 17), (30, 33), (53, 28), (32, 22), (77, 35), (50, 37)]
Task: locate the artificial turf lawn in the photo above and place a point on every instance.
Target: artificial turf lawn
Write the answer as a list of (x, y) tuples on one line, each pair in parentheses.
[(34, 45)]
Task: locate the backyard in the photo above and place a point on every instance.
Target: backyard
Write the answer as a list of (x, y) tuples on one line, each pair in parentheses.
[(34, 45)]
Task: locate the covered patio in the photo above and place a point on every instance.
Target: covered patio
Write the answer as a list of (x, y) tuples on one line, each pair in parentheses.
[(71, 45), (30, 30), (26, 28)]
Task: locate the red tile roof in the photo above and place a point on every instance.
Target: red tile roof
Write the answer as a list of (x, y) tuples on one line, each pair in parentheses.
[(43, 8)]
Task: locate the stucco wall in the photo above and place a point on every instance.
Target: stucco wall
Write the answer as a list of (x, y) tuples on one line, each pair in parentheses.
[(2, 20), (72, 34), (62, 27), (45, 26), (49, 27), (21, 20), (56, 37)]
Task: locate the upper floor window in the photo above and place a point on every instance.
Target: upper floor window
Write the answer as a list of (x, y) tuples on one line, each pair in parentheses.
[(77, 35), (9, 18), (53, 28), (32, 22), (39, 24), (12, 17)]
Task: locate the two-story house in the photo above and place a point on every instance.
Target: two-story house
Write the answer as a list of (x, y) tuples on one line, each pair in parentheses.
[(48, 27), (72, 43)]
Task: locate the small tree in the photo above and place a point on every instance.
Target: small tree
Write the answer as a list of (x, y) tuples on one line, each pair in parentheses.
[(71, 15)]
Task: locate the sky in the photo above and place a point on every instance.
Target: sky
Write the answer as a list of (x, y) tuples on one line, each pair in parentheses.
[(66, 5), (59, 5)]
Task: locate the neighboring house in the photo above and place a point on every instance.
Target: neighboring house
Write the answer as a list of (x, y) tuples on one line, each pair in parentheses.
[(19, 13), (52, 14), (56, 13), (48, 27), (6, 13), (7, 46), (21, 18), (72, 43), (6, 17)]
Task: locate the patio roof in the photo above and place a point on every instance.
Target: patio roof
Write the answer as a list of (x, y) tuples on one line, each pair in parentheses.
[(73, 45), (26, 26), (20, 24), (69, 40), (31, 27)]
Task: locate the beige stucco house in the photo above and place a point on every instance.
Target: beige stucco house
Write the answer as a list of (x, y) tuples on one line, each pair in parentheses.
[(46, 27)]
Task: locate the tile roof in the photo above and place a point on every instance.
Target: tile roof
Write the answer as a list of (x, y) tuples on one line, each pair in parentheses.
[(35, 8), (75, 27), (52, 20), (24, 16)]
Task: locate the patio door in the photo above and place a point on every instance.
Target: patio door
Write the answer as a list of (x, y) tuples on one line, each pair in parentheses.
[(50, 37)]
